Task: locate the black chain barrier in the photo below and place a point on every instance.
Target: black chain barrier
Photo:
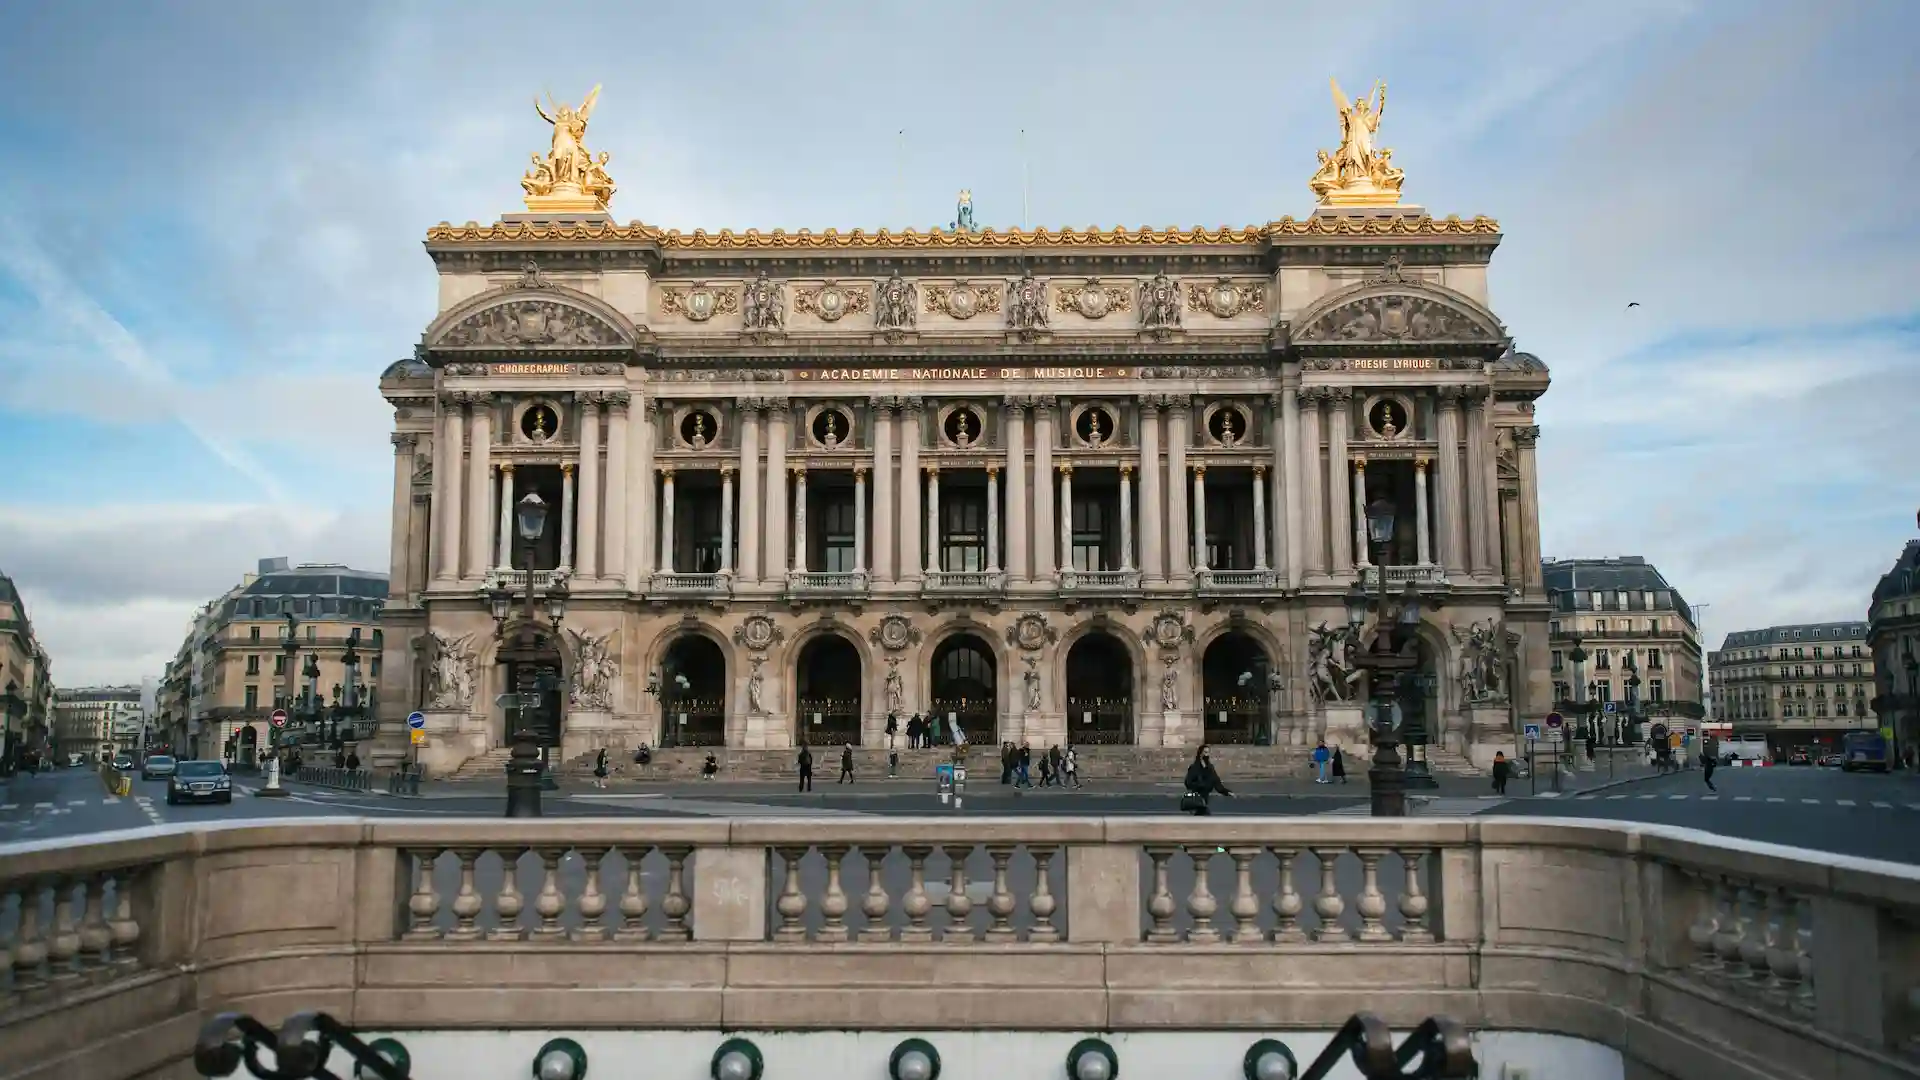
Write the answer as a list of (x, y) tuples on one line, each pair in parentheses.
[(1439, 1049), (300, 1049)]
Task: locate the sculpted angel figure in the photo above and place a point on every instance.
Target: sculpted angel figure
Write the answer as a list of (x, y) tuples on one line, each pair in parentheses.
[(593, 670), (764, 304), (1159, 302), (450, 682), (1027, 303), (1482, 652), (893, 304), (568, 163), (896, 686), (1357, 161), (1169, 688), (756, 687), (1032, 678), (1329, 661)]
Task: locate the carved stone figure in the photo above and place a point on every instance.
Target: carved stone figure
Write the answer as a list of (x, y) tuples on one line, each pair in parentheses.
[(1170, 688), (569, 177), (1169, 630), (1032, 679), (1396, 318), (756, 687), (763, 304), (963, 214), (1358, 174), (1027, 303), (450, 678), (526, 323), (758, 633), (896, 686), (1031, 632), (595, 669), (1159, 304), (1483, 654), (896, 304), (1330, 664), (895, 632)]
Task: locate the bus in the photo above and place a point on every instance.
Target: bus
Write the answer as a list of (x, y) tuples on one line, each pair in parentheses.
[(1864, 750)]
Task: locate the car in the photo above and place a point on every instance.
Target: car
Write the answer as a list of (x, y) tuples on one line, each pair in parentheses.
[(199, 781), (123, 763), (1799, 757), (157, 767)]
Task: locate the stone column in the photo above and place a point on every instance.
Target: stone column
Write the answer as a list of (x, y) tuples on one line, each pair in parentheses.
[(933, 520), (1153, 566), (1276, 480), (1066, 516), (1482, 517), (1200, 560), (1360, 545), (566, 515), (589, 516), (1126, 517), (399, 567), (799, 519), (993, 518), (910, 557), (1179, 547), (859, 520), (503, 540), (777, 518), (1259, 517), (640, 505), (613, 564), (1339, 421), (480, 489), (1524, 441), (1016, 421), (1420, 510), (666, 519), (1295, 508), (1450, 507), (726, 519), (884, 413), (1510, 550), (1313, 503), (1041, 548), (750, 421)]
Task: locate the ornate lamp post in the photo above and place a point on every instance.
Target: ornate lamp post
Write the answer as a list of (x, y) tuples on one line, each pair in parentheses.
[(1392, 655), (14, 708), (1913, 704), (527, 768), (350, 702)]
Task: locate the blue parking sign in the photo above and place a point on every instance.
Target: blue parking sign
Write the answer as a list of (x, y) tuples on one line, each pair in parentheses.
[(417, 721)]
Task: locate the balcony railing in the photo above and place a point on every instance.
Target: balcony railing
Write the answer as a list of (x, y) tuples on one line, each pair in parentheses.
[(966, 581), (1090, 581), (692, 584), (517, 579), (827, 582), (1235, 581), (1400, 575), (1757, 960)]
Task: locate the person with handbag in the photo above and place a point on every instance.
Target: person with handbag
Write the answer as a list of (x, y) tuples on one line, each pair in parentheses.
[(1202, 782)]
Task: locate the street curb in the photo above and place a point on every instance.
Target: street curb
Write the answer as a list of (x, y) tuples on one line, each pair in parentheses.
[(1609, 785)]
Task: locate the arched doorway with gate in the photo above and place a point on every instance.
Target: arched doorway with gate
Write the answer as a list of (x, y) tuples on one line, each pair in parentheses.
[(693, 693), (1099, 691), (964, 688), (828, 692), (532, 668), (1234, 682)]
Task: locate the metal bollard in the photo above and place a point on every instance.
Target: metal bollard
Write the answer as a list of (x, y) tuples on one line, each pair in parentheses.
[(944, 783), (959, 785)]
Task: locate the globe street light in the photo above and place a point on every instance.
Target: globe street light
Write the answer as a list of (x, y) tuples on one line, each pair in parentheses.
[(526, 770), (1392, 654)]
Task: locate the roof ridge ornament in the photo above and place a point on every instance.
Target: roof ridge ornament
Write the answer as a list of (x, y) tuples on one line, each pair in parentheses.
[(531, 278), (1390, 272)]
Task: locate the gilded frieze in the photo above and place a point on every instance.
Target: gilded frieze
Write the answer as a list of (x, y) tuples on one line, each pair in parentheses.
[(1091, 300), (1226, 298), (831, 303), (962, 300), (700, 302), (807, 239)]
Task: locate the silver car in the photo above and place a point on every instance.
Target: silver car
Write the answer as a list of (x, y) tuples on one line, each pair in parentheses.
[(157, 767)]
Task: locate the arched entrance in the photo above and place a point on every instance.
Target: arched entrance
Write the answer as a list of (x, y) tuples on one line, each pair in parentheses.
[(693, 693), (1234, 690), (1099, 691), (246, 750), (534, 671), (964, 687), (827, 678)]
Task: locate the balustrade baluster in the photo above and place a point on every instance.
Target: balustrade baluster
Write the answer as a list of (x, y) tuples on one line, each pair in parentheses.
[(592, 903), (551, 901), (466, 903), (423, 907), (1200, 902), (1327, 903), (1041, 903), (1726, 943), (792, 904), (1753, 933), (1000, 901), (1287, 903), (1160, 905), (124, 928), (916, 903), (1706, 923), (959, 905), (29, 941), (875, 903), (1780, 961), (96, 940), (1245, 906), (633, 899), (509, 903), (833, 903), (1413, 898), (1372, 904), (675, 904), (1803, 946), (63, 944)]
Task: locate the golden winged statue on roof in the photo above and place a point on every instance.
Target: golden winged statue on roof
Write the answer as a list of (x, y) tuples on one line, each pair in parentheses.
[(1358, 173), (570, 178)]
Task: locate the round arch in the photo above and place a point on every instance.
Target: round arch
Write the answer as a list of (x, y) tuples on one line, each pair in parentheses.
[(964, 682), (693, 687), (830, 669), (492, 678), (1006, 682), (1101, 706), (1235, 701)]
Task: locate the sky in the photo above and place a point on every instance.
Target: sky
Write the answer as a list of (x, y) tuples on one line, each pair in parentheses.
[(211, 217)]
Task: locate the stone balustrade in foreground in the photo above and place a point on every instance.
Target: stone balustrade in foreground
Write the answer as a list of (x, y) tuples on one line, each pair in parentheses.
[(1689, 954)]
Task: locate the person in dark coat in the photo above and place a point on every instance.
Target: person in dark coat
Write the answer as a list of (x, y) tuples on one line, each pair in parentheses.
[(1502, 772), (806, 768), (1203, 780), (1339, 765), (600, 768), (846, 765)]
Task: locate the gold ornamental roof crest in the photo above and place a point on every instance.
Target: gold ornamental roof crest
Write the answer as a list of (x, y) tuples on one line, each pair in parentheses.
[(878, 239)]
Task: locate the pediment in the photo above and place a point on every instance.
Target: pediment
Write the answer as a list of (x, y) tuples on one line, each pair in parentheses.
[(532, 316), (1397, 312)]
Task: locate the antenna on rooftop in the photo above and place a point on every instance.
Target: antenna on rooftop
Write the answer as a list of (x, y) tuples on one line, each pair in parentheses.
[(900, 180), (1024, 177)]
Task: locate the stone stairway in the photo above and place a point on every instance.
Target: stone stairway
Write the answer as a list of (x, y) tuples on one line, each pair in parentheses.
[(1451, 763), (491, 765)]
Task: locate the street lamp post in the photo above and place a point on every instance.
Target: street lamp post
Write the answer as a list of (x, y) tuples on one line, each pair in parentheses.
[(14, 707), (1913, 703), (1391, 656), (290, 648), (526, 769)]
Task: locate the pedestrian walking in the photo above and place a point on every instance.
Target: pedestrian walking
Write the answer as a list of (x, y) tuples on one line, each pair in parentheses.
[(806, 768), (846, 765), (1339, 765), (893, 763), (600, 768), (1006, 762), (1201, 782), (1502, 772), (1070, 761), (893, 728), (1321, 760), (1707, 765), (1023, 762), (1046, 771)]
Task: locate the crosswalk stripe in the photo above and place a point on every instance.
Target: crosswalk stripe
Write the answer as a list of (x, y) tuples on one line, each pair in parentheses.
[(1613, 798), (76, 802), (1844, 802), (1883, 806), (1775, 798), (1649, 796), (1676, 796), (43, 806), (1811, 802), (1743, 798), (9, 806), (1709, 798)]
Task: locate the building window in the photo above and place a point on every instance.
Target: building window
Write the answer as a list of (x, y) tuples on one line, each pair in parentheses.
[(1603, 690), (963, 546), (1839, 708), (1653, 626), (253, 665), (1601, 660), (280, 664), (1599, 626), (253, 697), (1562, 692), (310, 635), (253, 633), (1554, 627), (1089, 532), (1558, 662), (1656, 690), (1656, 660), (837, 533)]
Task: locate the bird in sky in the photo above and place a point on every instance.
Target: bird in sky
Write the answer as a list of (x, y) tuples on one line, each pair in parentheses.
[(1633, 303)]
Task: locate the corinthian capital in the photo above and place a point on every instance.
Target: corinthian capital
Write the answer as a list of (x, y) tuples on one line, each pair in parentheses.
[(1527, 435), (405, 441), (1339, 395), (1449, 396), (618, 400)]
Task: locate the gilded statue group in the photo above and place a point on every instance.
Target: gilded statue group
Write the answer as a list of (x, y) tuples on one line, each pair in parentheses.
[(1358, 173), (569, 169)]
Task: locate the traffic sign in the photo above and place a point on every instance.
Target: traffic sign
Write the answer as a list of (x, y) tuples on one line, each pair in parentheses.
[(1554, 720), (417, 721), (1533, 732), (1610, 707), (278, 718), (419, 736)]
